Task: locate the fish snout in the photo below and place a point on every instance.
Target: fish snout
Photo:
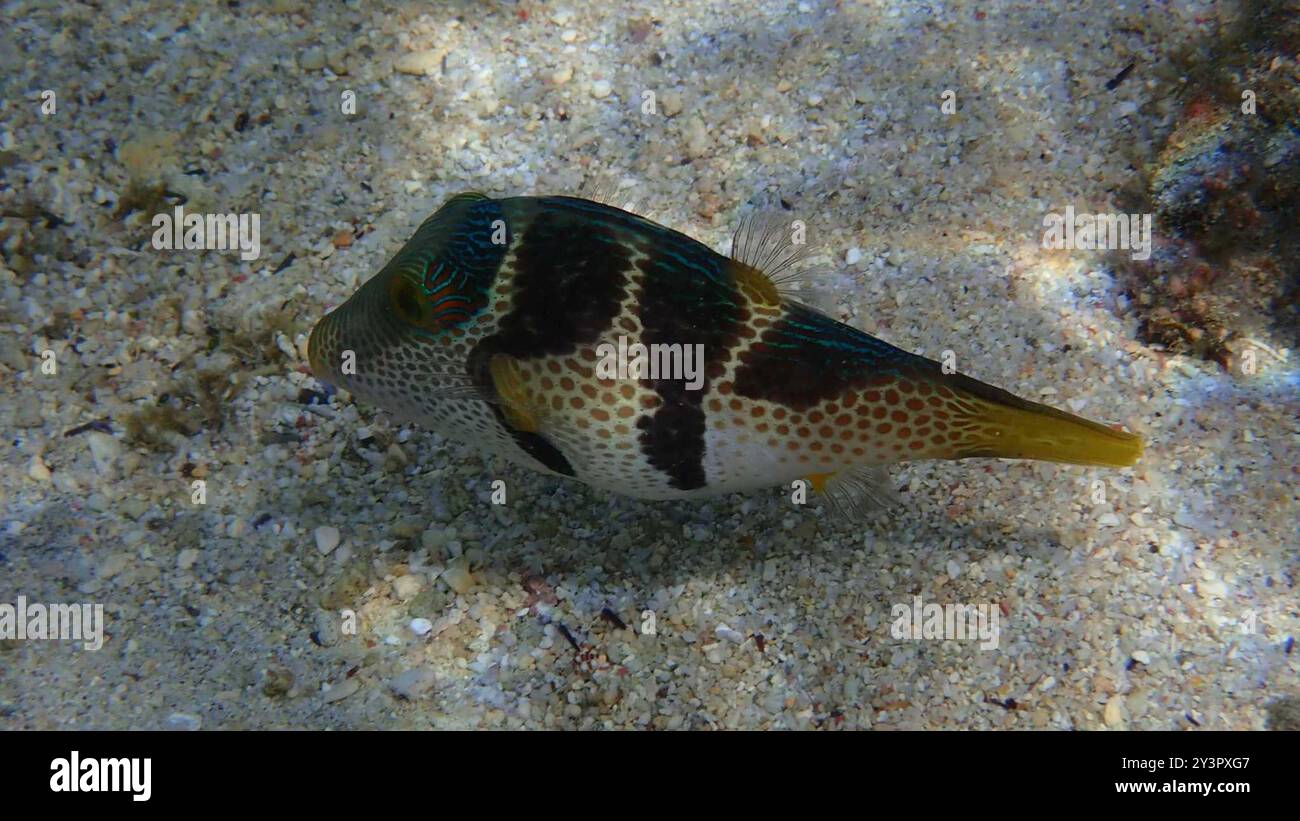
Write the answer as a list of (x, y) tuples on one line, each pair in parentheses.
[(323, 349)]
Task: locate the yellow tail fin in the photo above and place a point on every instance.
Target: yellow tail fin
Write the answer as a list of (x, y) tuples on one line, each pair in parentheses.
[(1029, 430), (997, 423)]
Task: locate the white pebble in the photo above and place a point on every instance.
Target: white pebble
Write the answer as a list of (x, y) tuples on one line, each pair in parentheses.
[(327, 538), (672, 103), (722, 631), (1112, 715), (412, 684), (313, 59), (38, 470), (286, 347), (697, 138), (104, 449), (419, 62), (421, 627), (342, 690), (184, 721), (601, 89), (406, 587), (1212, 589)]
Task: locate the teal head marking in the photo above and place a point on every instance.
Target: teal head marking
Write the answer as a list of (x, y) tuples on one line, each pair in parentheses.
[(441, 277)]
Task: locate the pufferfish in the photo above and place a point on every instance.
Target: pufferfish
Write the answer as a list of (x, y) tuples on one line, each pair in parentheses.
[(493, 326)]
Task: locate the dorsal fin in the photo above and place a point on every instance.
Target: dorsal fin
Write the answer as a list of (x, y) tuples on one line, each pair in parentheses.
[(772, 257), (766, 241), (604, 188)]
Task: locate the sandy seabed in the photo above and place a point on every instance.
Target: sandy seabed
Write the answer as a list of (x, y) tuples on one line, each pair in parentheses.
[(1157, 597)]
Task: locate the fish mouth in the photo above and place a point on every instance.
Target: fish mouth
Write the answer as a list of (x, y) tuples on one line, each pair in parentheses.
[(321, 349)]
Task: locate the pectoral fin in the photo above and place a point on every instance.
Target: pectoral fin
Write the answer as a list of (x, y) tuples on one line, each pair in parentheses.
[(522, 410)]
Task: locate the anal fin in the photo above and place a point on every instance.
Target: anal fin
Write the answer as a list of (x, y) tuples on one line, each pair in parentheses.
[(857, 491)]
